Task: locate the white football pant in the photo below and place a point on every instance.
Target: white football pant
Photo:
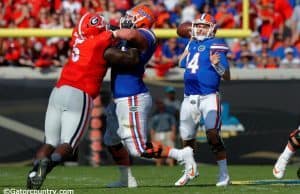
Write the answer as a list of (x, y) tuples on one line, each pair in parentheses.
[(195, 106), (131, 115), (67, 116)]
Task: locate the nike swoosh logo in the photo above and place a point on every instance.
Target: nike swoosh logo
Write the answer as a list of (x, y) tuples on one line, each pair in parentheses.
[(192, 172), (182, 182), (275, 171), (40, 172)]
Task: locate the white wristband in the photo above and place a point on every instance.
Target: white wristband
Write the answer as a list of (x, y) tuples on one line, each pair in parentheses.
[(220, 69)]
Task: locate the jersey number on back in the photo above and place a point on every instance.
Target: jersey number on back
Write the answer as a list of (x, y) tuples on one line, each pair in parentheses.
[(193, 64)]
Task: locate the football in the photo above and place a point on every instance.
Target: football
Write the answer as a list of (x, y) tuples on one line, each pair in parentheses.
[(184, 29)]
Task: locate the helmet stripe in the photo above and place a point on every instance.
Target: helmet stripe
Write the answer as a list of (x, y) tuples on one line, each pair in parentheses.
[(80, 24), (203, 16)]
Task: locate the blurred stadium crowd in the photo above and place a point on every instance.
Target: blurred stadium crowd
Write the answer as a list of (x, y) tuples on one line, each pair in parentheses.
[(275, 41)]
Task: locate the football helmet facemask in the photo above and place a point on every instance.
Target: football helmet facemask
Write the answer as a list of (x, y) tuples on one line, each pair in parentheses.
[(140, 16), (204, 27)]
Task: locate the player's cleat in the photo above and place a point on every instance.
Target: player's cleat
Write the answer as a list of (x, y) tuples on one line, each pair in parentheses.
[(29, 177), (279, 167), (38, 179), (224, 180), (130, 183), (190, 167)]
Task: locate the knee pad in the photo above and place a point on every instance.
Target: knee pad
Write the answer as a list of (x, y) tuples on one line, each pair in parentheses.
[(294, 139), (153, 150), (215, 141)]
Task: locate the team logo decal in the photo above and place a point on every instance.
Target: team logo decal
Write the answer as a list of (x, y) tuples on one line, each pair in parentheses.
[(193, 101), (133, 109), (201, 48), (94, 21)]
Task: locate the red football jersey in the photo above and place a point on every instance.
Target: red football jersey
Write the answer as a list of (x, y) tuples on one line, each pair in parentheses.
[(86, 66)]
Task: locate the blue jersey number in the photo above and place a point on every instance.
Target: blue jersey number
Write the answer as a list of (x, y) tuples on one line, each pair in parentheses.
[(193, 64)]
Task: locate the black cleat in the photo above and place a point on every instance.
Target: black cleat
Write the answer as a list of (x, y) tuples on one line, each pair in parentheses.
[(36, 181), (29, 184)]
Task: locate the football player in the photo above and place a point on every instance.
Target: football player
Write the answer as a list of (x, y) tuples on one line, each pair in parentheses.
[(70, 101), (205, 63), (133, 101), (290, 149)]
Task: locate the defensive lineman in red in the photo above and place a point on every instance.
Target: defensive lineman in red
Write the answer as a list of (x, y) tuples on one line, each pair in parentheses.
[(70, 101)]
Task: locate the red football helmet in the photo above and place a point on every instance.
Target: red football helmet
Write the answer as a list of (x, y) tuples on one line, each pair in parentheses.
[(204, 27), (91, 24), (140, 16)]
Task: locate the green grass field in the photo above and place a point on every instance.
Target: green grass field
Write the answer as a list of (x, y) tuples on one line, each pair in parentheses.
[(156, 180)]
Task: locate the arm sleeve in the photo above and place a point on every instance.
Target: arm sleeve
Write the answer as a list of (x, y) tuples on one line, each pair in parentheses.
[(221, 47)]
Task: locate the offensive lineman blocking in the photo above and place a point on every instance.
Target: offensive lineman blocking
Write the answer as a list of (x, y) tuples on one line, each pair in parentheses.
[(133, 101), (205, 63)]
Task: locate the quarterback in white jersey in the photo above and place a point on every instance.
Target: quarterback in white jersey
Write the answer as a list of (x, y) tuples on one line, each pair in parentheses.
[(205, 63)]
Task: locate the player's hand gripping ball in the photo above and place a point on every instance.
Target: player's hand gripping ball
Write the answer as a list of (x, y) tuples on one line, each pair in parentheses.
[(184, 29)]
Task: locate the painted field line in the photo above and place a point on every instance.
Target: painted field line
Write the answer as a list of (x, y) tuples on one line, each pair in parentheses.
[(267, 182)]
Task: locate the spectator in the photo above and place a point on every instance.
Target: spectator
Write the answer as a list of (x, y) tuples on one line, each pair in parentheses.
[(122, 5), (162, 127), (287, 43), (232, 8), (5, 13), (163, 16), (12, 52), (170, 4), (289, 61), (224, 18), (169, 57), (174, 19), (276, 40), (71, 6), (206, 9), (67, 20), (255, 43), (246, 61), (21, 15), (295, 23), (188, 12), (48, 57), (230, 59), (112, 15), (272, 63), (244, 47), (170, 100), (265, 48), (199, 3)]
